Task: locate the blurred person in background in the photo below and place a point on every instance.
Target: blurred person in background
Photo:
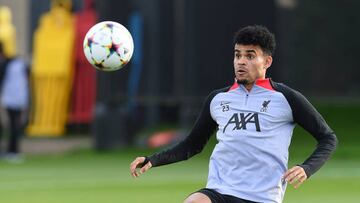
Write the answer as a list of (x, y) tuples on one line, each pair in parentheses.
[(254, 121), (14, 97)]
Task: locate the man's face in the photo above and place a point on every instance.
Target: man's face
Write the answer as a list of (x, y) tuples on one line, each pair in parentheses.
[(250, 63)]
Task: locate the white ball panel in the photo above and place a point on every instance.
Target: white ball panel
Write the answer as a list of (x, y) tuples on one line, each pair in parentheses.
[(113, 62), (103, 37), (99, 53), (88, 54)]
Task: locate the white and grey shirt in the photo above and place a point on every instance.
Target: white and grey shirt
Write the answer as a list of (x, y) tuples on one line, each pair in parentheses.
[(254, 131)]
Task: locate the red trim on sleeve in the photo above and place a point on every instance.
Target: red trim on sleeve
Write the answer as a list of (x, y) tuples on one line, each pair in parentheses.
[(265, 83)]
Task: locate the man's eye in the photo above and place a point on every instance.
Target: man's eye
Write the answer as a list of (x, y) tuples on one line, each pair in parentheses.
[(250, 56)]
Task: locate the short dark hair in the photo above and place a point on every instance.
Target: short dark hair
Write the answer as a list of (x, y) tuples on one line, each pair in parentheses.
[(256, 35)]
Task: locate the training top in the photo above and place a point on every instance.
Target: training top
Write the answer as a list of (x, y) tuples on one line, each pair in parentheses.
[(254, 130)]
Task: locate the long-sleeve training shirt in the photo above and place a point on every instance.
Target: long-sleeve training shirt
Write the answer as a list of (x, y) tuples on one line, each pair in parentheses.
[(254, 130)]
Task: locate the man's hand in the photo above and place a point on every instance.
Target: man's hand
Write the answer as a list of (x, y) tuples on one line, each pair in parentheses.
[(137, 163), (295, 175)]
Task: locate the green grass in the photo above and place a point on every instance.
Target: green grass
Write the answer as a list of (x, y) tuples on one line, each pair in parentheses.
[(92, 178), (89, 177)]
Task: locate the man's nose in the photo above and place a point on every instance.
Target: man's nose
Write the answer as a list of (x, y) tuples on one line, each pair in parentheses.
[(241, 60)]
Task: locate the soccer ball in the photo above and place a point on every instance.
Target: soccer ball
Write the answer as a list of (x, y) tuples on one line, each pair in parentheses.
[(108, 46)]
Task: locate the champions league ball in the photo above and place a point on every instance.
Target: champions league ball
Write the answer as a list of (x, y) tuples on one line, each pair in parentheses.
[(108, 46)]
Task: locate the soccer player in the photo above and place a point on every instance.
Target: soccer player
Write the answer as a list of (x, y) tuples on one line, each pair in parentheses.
[(254, 121)]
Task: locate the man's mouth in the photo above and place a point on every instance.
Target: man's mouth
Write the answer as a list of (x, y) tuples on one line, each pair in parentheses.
[(241, 71)]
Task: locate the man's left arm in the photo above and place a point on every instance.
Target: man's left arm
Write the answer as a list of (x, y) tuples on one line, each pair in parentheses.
[(310, 119)]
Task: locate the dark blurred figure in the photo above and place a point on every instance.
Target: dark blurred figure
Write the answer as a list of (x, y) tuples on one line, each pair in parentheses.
[(14, 100)]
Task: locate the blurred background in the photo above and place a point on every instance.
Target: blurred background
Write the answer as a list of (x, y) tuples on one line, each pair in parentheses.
[(82, 127)]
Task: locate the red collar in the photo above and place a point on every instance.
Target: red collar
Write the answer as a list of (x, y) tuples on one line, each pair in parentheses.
[(265, 83)]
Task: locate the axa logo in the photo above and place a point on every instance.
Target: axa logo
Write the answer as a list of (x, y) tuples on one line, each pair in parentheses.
[(239, 121)]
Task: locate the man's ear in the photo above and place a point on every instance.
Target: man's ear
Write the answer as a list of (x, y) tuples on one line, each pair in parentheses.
[(268, 61)]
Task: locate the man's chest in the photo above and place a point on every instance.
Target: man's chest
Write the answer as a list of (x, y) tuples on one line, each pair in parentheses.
[(238, 111)]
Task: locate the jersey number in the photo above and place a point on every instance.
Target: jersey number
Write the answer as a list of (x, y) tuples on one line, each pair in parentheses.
[(225, 108)]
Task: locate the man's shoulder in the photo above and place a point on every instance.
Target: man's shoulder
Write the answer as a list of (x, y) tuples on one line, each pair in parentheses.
[(224, 89), (215, 92), (293, 96), (221, 90), (283, 88)]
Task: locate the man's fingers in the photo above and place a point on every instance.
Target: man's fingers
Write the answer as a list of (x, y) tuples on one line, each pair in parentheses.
[(300, 181), (135, 164), (296, 175), (287, 173), (292, 172), (135, 174), (145, 167), (132, 166)]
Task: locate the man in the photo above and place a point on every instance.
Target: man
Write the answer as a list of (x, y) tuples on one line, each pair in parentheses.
[(254, 119), (14, 99)]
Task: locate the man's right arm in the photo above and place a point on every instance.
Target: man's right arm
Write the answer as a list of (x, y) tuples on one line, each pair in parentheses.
[(190, 146), (193, 143)]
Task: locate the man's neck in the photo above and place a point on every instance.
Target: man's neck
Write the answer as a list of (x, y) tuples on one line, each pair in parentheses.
[(249, 86)]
